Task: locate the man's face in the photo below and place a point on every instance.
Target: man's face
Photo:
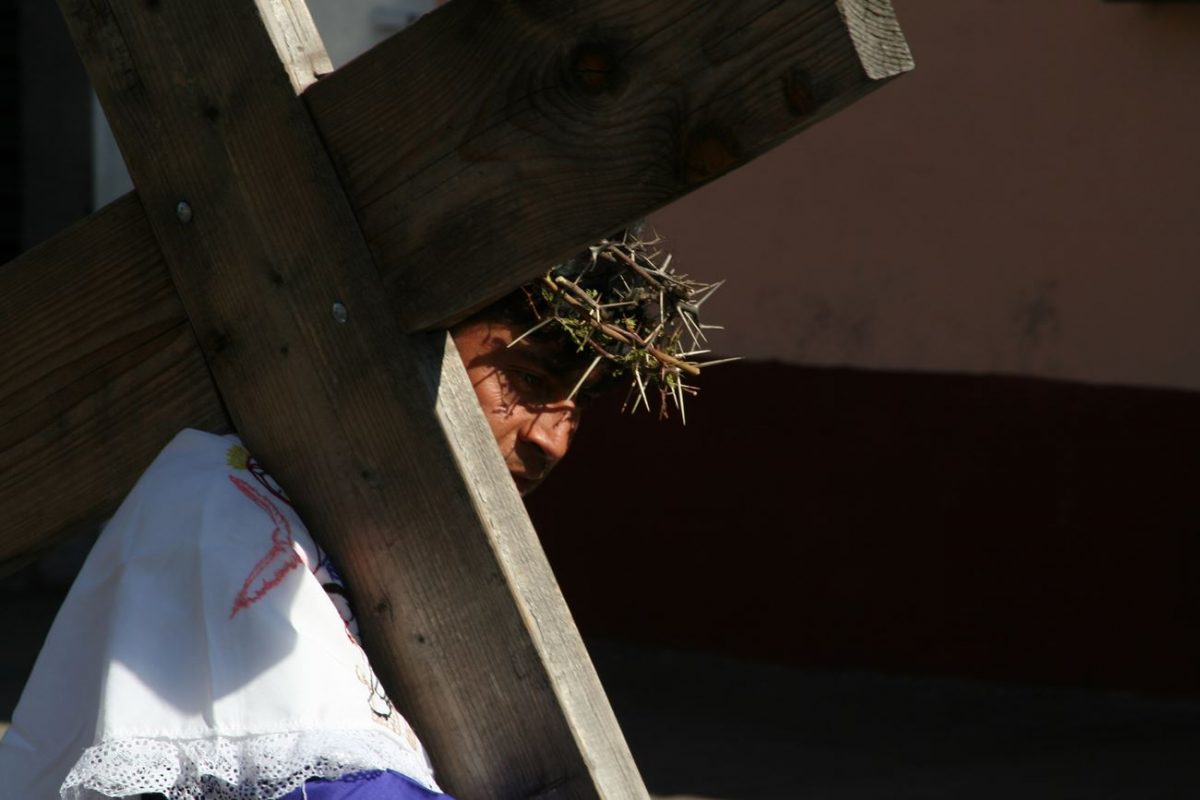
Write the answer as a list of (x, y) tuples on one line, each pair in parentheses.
[(523, 391)]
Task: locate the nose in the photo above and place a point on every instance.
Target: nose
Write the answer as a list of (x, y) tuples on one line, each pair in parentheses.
[(551, 432)]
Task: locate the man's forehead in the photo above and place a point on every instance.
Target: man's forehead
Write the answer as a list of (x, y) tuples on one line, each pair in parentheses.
[(501, 337), (559, 358), (553, 354)]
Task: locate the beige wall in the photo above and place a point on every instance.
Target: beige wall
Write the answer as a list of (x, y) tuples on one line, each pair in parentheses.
[(348, 27), (1026, 202)]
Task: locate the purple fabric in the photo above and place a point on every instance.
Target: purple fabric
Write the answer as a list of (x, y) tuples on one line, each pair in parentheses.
[(373, 784)]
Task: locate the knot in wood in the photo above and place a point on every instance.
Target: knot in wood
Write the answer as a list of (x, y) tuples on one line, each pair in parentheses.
[(220, 342), (799, 93), (708, 152), (370, 477), (596, 68)]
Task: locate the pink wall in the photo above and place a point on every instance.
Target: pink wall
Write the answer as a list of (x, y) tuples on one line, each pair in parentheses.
[(1024, 202)]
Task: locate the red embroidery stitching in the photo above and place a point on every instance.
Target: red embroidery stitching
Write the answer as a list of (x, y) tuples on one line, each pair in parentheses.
[(268, 483), (282, 557)]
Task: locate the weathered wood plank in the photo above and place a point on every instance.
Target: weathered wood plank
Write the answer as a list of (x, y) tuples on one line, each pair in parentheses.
[(521, 129), (98, 368), (297, 41), (377, 436)]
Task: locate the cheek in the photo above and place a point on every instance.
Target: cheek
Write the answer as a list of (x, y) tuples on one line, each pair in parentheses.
[(500, 417), (501, 414), (493, 400)]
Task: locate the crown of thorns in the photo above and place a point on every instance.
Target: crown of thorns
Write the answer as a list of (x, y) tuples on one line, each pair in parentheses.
[(641, 317)]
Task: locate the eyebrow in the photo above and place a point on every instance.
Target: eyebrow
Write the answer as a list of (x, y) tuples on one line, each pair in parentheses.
[(554, 360)]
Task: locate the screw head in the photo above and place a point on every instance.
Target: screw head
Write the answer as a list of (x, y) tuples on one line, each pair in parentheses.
[(340, 314), (183, 211)]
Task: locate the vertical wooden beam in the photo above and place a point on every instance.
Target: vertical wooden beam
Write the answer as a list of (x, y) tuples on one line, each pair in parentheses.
[(377, 436), (296, 40)]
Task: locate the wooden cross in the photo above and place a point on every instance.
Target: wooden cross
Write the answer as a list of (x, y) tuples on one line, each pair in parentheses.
[(290, 246)]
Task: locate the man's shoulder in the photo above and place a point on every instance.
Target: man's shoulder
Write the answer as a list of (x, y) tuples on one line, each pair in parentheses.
[(206, 493)]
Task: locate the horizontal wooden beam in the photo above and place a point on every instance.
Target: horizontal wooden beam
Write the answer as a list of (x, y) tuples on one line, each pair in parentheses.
[(488, 140), (98, 368)]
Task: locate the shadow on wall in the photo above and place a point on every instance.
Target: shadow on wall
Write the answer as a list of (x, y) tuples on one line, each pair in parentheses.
[(995, 527)]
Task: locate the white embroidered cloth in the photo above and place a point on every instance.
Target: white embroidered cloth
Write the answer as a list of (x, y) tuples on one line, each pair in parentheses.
[(198, 655)]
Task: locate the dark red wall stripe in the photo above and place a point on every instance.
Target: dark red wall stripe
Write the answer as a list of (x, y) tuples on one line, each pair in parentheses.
[(996, 527)]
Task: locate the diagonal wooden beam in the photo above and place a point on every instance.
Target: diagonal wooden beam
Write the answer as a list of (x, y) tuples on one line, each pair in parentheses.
[(377, 435)]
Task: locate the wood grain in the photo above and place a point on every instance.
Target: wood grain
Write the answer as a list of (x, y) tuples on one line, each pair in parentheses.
[(489, 140), (377, 435), (98, 370)]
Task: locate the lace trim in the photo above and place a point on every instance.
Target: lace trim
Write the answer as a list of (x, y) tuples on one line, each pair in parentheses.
[(259, 767)]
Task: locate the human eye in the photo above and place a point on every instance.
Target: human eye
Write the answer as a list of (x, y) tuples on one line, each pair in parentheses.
[(530, 380), (526, 385)]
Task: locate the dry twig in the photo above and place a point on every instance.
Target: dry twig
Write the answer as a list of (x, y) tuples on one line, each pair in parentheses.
[(643, 318)]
